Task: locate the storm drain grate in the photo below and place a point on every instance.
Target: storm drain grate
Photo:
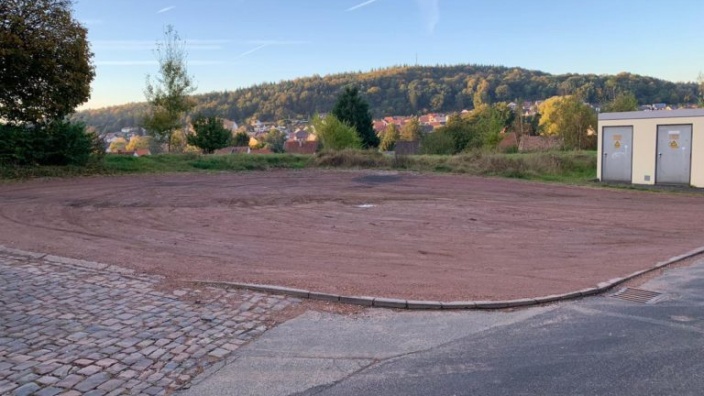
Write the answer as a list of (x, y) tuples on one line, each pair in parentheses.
[(637, 295)]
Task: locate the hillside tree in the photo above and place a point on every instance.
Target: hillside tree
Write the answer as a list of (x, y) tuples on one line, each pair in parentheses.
[(168, 93), (138, 143), (353, 110), (334, 134), (624, 101), (210, 134), (45, 61), (569, 118), (241, 139), (411, 130), (118, 144), (391, 135), (275, 140)]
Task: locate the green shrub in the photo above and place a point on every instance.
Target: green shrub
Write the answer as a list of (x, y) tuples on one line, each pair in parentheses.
[(210, 134), (437, 143), (57, 143), (352, 159), (335, 134), (241, 139)]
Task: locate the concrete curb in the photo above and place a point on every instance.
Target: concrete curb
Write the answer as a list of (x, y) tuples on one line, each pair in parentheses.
[(378, 302)]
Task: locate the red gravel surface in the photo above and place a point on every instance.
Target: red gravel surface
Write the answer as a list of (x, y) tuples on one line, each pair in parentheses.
[(436, 237)]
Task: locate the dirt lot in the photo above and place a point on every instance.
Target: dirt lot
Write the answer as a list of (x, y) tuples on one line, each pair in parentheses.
[(361, 233)]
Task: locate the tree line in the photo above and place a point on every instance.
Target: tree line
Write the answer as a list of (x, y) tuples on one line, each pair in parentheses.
[(408, 90)]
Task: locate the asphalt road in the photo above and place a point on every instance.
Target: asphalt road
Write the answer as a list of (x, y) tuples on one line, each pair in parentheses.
[(596, 346)]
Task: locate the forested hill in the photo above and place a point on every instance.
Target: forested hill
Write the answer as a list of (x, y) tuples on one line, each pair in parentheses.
[(406, 91)]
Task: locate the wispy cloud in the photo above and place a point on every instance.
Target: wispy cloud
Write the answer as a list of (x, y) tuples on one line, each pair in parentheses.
[(153, 62), (430, 12), (165, 9), (141, 45), (360, 5)]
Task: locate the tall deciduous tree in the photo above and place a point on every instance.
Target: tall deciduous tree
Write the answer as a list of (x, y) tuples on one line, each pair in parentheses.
[(275, 140), (391, 135), (168, 93), (354, 111), (45, 61), (241, 139), (569, 118), (137, 143), (624, 101), (411, 130), (210, 134)]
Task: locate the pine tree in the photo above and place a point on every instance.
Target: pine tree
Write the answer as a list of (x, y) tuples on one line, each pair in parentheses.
[(351, 109), (210, 134)]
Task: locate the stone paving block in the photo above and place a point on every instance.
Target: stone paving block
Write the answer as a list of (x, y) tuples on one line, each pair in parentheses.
[(51, 391), (95, 392), (111, 385), (6, 387), (91, 331), (71, 393), (70, 381), (89, 370), (47, 380), (25, 377), (46, 368), (26, 389), (92, 382), (105, 363)]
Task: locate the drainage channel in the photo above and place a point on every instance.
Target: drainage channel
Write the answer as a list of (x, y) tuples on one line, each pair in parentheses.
[(640, 296)]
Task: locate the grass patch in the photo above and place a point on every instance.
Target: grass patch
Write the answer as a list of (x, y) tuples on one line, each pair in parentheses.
[(557, 166)]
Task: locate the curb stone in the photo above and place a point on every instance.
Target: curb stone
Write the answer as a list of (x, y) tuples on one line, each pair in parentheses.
[(379, 302), (390, 303), (357, 300)]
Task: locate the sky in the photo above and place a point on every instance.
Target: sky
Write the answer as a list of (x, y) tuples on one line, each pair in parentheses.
[(238, 43)]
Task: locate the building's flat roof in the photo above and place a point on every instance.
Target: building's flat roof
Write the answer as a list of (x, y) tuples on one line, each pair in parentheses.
[(636, 115)]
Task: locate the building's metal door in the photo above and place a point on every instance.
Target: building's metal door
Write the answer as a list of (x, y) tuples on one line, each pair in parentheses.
[(674, 156), (617, 152)]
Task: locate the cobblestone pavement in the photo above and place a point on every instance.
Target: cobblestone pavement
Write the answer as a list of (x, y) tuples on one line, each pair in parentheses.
[(67, 329)]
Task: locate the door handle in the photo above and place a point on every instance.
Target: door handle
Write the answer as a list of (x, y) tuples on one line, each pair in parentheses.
[(659, 155)]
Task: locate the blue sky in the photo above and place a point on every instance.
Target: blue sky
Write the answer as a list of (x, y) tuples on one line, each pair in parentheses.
[(238, 43)]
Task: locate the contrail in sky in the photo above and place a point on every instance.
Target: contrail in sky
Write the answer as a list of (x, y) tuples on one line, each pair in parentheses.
[(255, 49), (165, 9), (360, 5)]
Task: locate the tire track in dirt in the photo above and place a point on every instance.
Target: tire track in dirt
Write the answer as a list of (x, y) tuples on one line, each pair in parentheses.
[(426, 236)]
